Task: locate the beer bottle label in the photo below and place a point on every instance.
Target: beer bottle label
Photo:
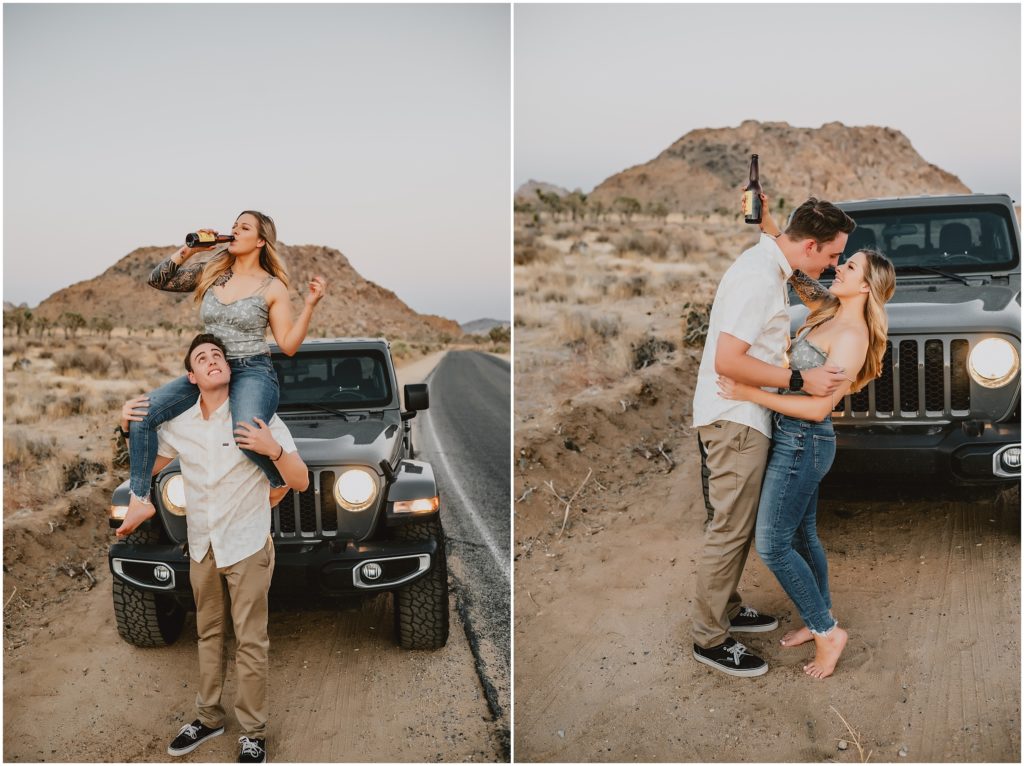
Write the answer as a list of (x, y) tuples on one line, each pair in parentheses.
[(748, 203), (205, 236)]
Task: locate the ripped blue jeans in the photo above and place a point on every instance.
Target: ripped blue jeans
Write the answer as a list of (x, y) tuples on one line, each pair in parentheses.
[(254, 393), (801, 454)]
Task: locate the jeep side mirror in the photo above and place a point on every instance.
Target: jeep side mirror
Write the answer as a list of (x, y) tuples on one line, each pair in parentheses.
[(416, 397)]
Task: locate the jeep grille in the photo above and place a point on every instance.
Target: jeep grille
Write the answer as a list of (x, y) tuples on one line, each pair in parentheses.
[(922, 379)]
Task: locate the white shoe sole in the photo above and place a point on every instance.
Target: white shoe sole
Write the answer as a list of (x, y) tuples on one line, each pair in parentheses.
[(194, 745), (729, 671), (754, 628)]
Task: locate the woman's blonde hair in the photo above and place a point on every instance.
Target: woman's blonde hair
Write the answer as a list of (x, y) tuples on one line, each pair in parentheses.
[(270, 262), (881, 280)]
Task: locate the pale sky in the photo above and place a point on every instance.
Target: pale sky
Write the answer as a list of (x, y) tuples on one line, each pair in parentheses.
[(382, 131), (599, 88)]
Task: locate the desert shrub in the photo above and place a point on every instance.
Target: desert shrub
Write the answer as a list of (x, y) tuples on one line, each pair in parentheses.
[(632, 287), (525, 255), (553, 296), (698, 315), (68, 406), (649, 350), (650, 244), (46, 354), (22, 450), (90, 362), (525, 238), (580, 332), (687, 240), (79, 471), (562, 234), (126, 363)]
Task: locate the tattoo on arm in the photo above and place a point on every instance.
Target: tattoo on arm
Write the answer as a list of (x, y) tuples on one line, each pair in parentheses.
[(168, 276), (809, 290)]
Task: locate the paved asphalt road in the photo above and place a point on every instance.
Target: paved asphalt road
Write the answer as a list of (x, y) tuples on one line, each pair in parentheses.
[(465, 435)]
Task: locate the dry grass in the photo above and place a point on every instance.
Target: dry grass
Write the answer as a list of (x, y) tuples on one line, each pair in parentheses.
[(607, 299)]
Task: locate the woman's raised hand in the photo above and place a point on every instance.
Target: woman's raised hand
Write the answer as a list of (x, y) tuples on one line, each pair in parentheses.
[(768, 224), (317, 290)]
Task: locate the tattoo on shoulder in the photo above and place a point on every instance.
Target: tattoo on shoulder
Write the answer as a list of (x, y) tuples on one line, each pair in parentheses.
[(809, 290), (223, 278), (169, 276)]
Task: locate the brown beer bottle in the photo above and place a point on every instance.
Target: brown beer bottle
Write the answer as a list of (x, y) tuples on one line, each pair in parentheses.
[(752, 195), (205, 239)]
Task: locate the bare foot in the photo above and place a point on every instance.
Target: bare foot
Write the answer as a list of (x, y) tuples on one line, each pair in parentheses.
[(137, 513), (797, 637), (827, 655)]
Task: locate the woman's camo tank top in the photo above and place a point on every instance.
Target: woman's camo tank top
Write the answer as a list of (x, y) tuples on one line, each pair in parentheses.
[(803, 355)]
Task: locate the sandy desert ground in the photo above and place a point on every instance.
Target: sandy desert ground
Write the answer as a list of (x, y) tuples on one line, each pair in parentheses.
[(608, 517)]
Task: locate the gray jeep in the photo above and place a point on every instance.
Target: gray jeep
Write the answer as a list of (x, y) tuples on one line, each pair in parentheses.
[(368, 522), (947, 405)]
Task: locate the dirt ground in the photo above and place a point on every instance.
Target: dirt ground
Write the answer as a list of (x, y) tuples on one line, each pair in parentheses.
[(929, 590), (341, 690)]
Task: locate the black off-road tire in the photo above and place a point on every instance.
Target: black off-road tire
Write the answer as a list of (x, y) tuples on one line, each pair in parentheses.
[(143, 618), (421, 608)]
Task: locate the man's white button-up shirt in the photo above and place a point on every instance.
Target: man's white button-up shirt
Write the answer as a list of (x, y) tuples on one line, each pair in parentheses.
[(751, 304), (227, 496)]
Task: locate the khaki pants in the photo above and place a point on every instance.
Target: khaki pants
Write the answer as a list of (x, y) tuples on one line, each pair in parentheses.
[(736, 458), (238, 593)]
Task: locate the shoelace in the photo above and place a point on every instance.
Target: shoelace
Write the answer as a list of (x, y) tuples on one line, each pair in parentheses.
[(189, 730), (250, 747), (737, 650), (747, 611)]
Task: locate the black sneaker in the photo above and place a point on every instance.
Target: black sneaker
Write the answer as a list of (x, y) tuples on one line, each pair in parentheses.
[(749, 621), (191, 736), (732, 657), (252, 750)]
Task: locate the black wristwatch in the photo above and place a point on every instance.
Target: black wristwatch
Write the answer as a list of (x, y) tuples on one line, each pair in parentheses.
[(796, 380)]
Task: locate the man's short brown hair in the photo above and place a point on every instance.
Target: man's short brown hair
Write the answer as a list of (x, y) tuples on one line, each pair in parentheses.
[(818, 220), (200, 340)]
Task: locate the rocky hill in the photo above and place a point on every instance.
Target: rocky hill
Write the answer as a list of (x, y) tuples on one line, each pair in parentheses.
[(703, 170), (354, 306), (528, 191), (484, 326)]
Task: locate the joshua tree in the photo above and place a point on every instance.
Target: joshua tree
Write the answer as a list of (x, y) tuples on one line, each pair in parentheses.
[(628, 206), (577, 204), (72, 322), (20, 319)]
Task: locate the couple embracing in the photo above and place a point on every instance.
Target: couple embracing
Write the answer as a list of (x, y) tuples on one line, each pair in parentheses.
[(766, 430)]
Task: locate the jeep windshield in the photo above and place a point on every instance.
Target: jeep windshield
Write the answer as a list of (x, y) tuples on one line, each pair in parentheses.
[(356, 379), (946, 239)]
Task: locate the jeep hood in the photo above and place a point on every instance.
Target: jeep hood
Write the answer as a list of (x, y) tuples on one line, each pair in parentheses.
[(333, 441), (945, 307)]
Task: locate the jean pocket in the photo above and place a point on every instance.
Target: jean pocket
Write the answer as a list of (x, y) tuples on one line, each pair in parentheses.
[(787, 426), (824, 451)]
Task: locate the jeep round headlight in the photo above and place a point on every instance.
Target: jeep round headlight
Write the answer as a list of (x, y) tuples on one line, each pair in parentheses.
[(355, 489), (173, 494), (993, 363)]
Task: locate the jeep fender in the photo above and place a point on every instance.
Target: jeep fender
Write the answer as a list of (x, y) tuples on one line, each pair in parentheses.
[(414, 480)]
